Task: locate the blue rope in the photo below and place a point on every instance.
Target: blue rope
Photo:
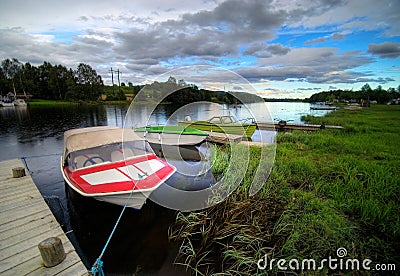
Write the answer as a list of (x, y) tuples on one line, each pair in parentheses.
[(98, 265), (44, 155), (23, 158)]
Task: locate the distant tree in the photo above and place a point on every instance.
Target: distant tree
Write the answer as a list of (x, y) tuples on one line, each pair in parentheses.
[(89, 83), (10, 69), (30, 79), (171, 80), (366, 88), (123, 84), (136, 89), (43, 81), (379, 88), (58, 86), (182, 83)]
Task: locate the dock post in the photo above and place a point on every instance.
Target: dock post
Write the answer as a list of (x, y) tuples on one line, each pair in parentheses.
[(52, 251), (18, 172)]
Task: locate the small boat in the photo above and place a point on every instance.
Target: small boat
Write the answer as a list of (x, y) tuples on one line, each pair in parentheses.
[(19, 102), (172, 135), (112, 165), (6, 102), (223, 124), (324, 107)]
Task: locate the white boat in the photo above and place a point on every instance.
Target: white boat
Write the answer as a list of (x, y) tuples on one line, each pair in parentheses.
[(172, 135), (19, 102), (6, 102), (112, 165)]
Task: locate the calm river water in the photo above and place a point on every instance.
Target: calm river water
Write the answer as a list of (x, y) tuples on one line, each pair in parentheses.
[(140, 244)]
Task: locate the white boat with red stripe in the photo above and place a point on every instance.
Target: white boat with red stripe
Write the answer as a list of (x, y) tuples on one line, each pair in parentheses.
[(112, 164)]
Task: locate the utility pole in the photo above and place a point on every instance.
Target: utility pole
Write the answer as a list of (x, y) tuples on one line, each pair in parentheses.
[(119, 84), (112, 79)]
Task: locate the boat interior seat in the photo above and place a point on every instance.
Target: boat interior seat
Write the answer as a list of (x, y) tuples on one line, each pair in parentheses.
[(118, 155), (86, 160)]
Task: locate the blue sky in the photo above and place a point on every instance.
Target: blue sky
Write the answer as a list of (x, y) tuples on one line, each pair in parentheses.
[(284, 48)]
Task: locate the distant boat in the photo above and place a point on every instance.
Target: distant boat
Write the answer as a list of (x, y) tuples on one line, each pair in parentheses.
[(324, 107), (223, 124), (171, 135), (19, 102), (6, 102), (112, 165)]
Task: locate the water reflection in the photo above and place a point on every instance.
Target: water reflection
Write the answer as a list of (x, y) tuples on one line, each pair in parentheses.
[(140, 243)]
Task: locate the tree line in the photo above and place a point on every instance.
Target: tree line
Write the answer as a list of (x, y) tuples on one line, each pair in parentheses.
[(365, 93), (47, 81), (183, 93)]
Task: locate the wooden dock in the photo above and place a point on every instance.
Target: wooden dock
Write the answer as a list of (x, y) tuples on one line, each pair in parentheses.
[(283, 126), (25, 221), (223, 138)]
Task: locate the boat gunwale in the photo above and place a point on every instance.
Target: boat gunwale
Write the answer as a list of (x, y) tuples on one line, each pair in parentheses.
[(76, 188)]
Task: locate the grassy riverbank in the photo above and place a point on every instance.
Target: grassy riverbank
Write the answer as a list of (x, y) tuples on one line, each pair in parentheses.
[(328, 189), (40, 102)]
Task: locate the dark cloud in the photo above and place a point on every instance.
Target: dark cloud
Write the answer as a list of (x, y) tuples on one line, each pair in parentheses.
[(334, 36), (309, 89), (251, 15), (83, 18), (264, 51), (385, 50), (337, 36), (319, 65), (316, 40)]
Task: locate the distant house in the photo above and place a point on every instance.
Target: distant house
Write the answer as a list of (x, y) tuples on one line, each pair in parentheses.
[(365, 103), (394, 101), (19, 95), (129, 97)]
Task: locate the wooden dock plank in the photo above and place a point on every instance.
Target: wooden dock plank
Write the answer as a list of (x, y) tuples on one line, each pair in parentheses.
[(223, 138), (25, 227), (287, 126), (25, 221), (41, 214), (11, 200), (20, 211), (29, 261), (24, 233)]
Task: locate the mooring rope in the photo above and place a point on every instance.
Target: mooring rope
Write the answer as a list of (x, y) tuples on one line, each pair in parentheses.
[(23, 158), (97, 268)]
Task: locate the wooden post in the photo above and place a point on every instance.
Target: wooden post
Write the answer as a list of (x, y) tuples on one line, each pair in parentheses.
[(18, 172), (52, 251)]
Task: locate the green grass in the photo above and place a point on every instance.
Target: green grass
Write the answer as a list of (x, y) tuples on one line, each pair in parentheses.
[(327, 189), (40, 102)]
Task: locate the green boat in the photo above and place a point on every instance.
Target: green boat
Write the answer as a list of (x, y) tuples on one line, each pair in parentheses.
[(224, 124), (172, 135)]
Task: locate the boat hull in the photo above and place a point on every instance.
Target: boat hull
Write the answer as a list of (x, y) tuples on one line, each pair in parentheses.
[(171, 139), (171, 135), (7, 104), (237, 129), (135, 201)]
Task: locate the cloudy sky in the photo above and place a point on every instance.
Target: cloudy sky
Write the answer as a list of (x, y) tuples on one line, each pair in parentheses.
[(284, 48)]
